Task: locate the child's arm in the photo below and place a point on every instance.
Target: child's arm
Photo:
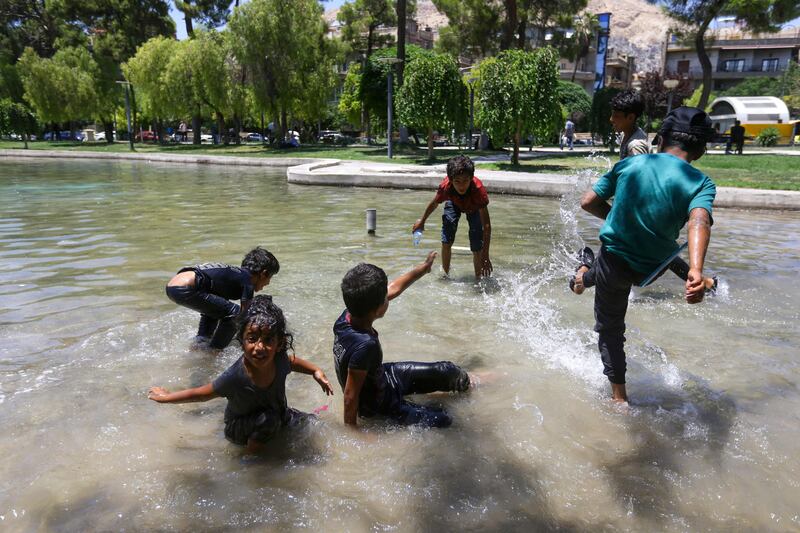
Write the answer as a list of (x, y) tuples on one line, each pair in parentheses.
[(699, 236), (352, 392), (197, 394), (398, 285), (420, 224), (307, 367), (486, 263), (595, 205)]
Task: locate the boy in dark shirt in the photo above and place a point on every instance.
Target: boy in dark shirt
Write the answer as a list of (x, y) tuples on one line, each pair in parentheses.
[(372, 387), (208, 288), (255, 385), (462, 192)]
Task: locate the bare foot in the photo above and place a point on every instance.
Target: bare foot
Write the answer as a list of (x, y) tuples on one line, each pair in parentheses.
[(479, 379), (618, 393), (578, 287)]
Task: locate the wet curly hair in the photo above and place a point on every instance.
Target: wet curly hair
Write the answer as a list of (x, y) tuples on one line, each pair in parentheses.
[(628, 102), (260, 260), (262, 312)]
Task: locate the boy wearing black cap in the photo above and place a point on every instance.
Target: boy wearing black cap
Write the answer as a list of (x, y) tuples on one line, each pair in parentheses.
[(654, 196)]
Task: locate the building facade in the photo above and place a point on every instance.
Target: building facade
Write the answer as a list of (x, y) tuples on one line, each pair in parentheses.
[(735, 56)]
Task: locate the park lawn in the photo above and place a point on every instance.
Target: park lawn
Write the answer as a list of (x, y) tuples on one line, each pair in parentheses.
[(758, 171), (402, 154)]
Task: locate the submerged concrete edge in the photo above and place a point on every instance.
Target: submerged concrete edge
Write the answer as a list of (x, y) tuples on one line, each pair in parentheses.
[(313, 171)]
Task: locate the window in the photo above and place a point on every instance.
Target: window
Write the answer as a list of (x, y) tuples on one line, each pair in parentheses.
[(683, 67), (769, 65), (733, 65)]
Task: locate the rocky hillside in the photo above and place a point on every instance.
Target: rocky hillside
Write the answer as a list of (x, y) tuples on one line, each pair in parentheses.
[(637, 27)]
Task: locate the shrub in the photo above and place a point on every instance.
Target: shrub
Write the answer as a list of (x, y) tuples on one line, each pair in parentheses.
[(768, 137)]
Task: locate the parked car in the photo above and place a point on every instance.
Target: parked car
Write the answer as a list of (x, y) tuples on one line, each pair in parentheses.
[(145, 135), (206, 138), (254, 137), (63, 135)]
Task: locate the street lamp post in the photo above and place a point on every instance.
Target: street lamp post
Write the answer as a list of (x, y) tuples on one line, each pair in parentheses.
[(128, 112), (670, 85), (391, 61)]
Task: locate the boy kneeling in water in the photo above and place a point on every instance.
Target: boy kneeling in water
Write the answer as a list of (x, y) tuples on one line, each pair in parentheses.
[(372, 387), (208, 287), (255, 385)]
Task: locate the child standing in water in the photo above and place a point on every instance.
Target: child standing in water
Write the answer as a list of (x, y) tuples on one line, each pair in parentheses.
[(372, 387), (208, 288), (654, 197), (255, 385), (462, 192)]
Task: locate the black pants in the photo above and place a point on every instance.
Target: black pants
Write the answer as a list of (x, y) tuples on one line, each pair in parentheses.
[(420, 378), (263, 425), (612, 279), (217, 314)]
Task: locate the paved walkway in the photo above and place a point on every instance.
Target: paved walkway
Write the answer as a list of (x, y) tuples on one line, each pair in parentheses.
[(308, 171)]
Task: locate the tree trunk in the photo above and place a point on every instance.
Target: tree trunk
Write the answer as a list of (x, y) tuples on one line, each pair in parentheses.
[(189, 29), (705, 63), (510, 24), (237, 127), (401, 40), (284, 125), (515, 155), (522, 27), (575, 70), (25, 139), (221, 128), (197, 124), (430, 143)]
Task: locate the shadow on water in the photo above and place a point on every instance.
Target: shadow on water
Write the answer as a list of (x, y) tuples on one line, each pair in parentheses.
[(481, 487)]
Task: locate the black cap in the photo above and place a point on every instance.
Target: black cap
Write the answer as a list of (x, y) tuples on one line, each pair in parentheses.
[(689, 120)]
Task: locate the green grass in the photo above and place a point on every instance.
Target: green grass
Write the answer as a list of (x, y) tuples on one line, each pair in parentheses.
[(402, 154), (759, 171)]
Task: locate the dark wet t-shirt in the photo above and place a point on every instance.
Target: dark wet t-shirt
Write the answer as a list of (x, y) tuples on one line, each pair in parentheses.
[(230, 282), (245, 397), (360, 350)]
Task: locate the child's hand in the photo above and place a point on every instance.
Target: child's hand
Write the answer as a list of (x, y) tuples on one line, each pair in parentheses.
[(428, 263), (418, 225), (319, 376), (695, 286), (157, 394)]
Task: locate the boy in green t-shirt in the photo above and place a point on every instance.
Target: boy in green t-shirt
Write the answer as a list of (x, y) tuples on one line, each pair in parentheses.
[(654, 195)]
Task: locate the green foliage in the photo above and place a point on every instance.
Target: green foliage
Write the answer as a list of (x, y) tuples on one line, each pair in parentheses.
[(62, 88), (361, 18), (576, 103), (694, 99), (768, 137), (281, 43), (601, 112), (433, 95), (518, 94), (146, 71), (350, 101), (756, 87)]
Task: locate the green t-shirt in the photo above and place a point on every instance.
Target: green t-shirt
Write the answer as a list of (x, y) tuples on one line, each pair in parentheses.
[(653, 195)]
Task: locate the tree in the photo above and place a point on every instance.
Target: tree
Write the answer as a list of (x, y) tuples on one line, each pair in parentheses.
[(584, 29), (518, 95), (655, 96), (61, 88), (576, 103), (361, 18), (601, 113), (16, 118), (350, 99), (147, 73), (433, 96), (752, 15), (211, 13), (29, 24), (280, 44), (478, 29)]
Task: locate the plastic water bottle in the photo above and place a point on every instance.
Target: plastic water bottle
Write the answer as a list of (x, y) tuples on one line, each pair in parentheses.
[(417, 236)]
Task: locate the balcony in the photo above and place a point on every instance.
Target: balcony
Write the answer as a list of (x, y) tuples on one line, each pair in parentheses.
[(731, 70)]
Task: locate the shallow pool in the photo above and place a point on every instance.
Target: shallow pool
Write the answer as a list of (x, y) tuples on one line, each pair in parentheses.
[(710, 441)]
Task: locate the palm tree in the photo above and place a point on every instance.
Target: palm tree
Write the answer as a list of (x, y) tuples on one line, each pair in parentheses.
[(584, 29)]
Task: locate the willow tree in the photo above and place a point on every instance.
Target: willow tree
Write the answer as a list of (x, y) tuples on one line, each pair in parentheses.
[(280, 43), (433, 96), (518, 94)]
